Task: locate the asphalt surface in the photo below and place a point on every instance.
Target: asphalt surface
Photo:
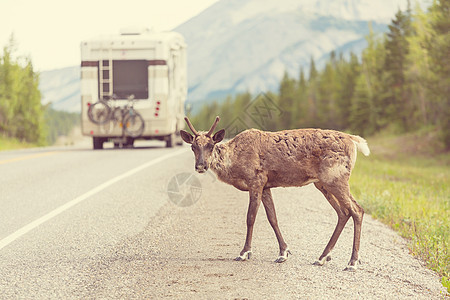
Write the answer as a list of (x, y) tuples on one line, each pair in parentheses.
[(78, 224), (36, 182)]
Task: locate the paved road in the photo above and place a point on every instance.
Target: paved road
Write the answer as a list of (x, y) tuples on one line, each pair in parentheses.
[(77, 223), (34, 183)]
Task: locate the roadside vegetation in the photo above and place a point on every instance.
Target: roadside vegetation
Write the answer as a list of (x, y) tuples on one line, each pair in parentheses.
[(24, 121), (59, 123), (12, 143), (21, 111), (405, 184)]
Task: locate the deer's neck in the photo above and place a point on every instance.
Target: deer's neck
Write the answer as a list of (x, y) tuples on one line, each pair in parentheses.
[(220, 160)]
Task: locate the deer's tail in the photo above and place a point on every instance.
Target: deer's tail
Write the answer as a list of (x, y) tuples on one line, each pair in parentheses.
[(361, 144)]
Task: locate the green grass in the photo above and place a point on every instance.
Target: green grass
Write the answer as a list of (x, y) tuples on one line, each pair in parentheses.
[(11, 144), (406, 186)]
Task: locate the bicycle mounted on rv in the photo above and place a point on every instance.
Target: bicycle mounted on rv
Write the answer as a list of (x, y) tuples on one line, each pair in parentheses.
[(125, 116)]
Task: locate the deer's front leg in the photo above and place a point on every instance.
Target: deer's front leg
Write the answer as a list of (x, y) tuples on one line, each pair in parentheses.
[(255, 201), (272, 217)]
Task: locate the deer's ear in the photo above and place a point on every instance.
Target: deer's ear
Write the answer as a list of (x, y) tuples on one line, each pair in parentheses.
[(218, 136), (186, 136)]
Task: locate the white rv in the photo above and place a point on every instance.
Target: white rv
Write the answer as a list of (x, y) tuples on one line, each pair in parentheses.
[(142, 65)]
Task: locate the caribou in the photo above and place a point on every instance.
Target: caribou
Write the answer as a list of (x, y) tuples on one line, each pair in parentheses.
[(257, 161)]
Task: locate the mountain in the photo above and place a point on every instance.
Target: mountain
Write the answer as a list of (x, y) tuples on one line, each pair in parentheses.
[(61, 88), (246, 45)]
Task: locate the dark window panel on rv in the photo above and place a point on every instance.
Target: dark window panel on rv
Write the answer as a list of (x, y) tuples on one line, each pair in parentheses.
[(130, 77)]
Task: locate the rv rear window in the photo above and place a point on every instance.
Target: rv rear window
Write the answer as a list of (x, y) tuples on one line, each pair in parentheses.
[(130, 77)]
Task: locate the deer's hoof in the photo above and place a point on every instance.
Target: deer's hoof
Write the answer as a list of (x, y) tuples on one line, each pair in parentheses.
[(352, 266), (318, 263), (283, 257), (247, 255), (323, 260)]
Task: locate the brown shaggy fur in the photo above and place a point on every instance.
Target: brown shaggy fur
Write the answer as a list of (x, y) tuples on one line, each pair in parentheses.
[(257, 161)]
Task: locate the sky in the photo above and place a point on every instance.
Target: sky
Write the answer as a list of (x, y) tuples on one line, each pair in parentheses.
[(50, 31)]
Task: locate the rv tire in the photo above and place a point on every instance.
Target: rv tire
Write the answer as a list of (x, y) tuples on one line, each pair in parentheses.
[(170, 140), (97, 143)]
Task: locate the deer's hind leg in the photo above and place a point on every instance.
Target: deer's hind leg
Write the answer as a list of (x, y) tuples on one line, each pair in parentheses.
[(343, 216), (338, 195)]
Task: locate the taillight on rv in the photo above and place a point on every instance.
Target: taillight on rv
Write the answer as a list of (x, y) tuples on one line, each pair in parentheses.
[(158, 103), (89, 104), (92, 132)]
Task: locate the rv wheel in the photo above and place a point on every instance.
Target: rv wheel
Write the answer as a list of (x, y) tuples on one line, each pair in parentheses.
[(129, 143), (97, 143), (170, 140), (178, 138)]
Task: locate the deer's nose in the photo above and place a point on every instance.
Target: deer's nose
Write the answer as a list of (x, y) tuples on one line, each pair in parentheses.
[(201, 168)]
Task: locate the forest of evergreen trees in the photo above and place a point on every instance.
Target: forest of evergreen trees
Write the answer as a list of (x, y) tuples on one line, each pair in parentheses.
[(401, 81), (22, 116)]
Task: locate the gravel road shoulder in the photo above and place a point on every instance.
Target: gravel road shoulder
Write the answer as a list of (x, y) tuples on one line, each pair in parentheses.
[(188, 253)]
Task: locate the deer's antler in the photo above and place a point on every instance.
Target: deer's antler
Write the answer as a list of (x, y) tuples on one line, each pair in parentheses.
[(211, 130), (191, 126)]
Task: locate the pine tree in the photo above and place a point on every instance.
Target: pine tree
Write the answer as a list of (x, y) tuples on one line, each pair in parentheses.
[(312, 94), (418, 75), (7, 89), (362, 116), (440, 65), (286, 101), (313, 73), (301, 102), (347, 73), (302, 80), (395, 65), (327, 90), (368, 112)]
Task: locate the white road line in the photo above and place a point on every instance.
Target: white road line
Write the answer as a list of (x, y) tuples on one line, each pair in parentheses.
[(25, 229)]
